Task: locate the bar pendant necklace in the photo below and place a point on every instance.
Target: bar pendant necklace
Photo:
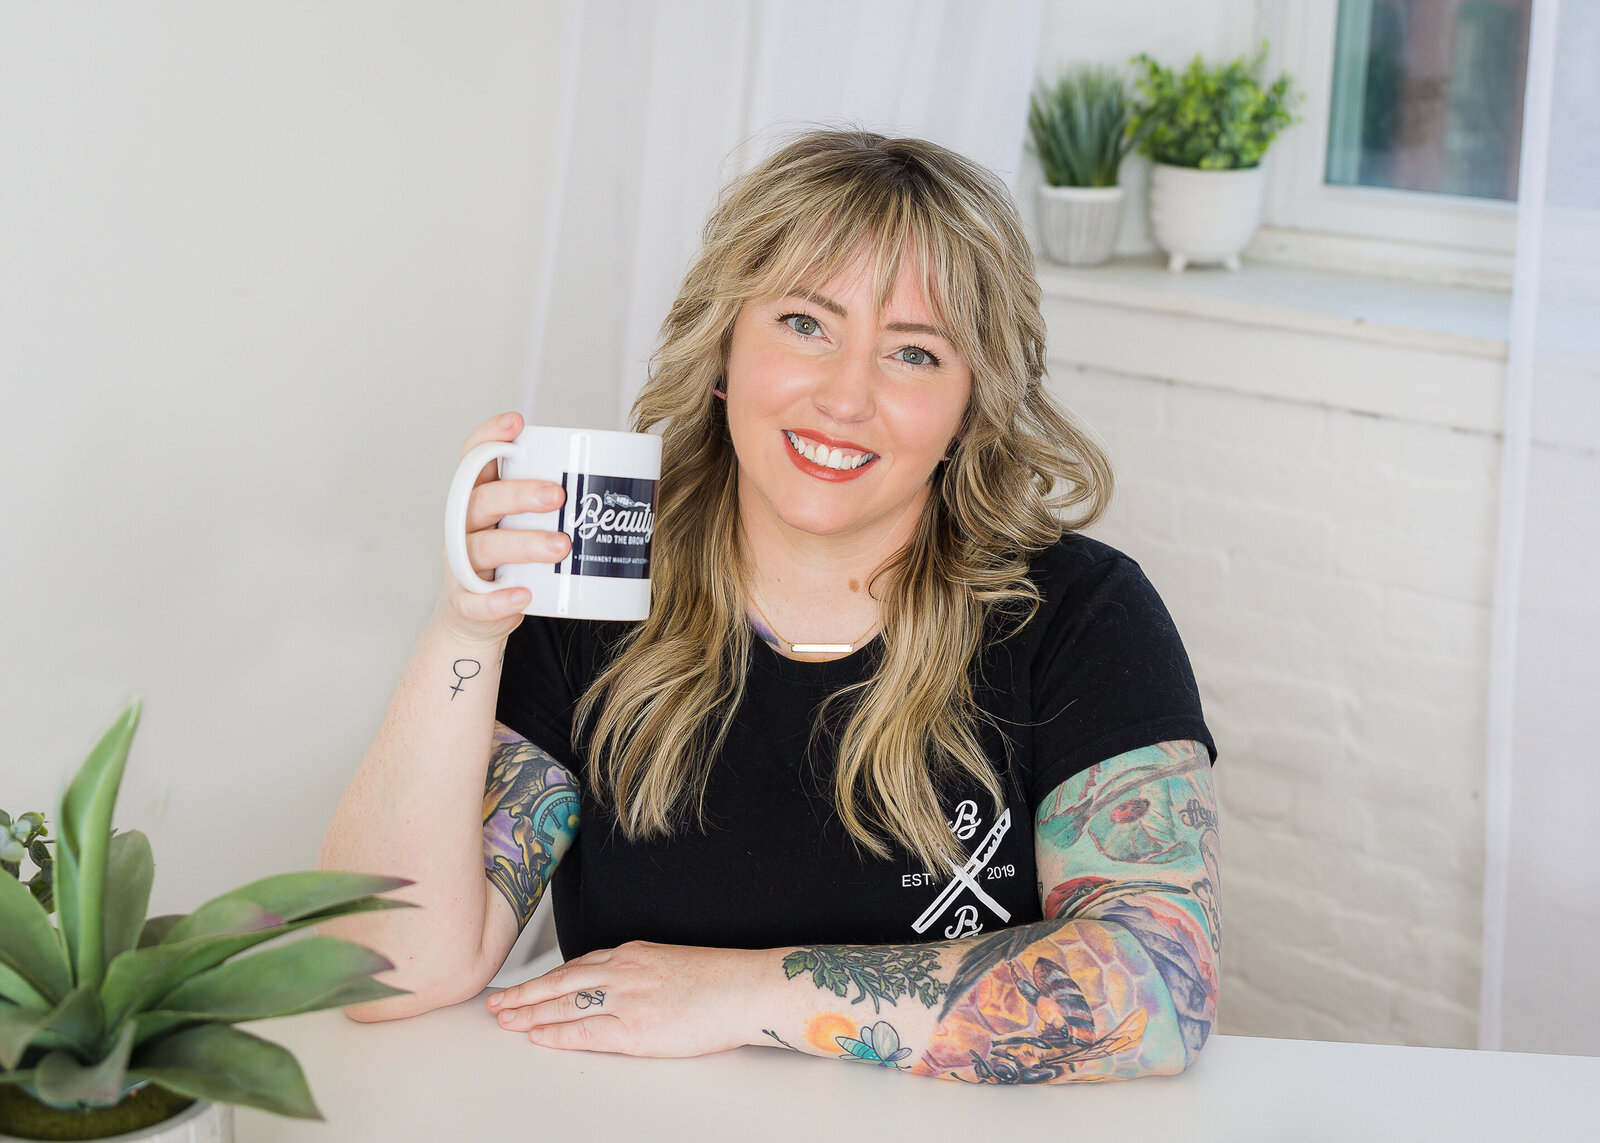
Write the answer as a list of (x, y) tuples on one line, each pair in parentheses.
[(813, 648)]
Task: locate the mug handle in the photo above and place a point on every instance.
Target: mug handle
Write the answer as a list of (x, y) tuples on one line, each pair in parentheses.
[(455, 513)]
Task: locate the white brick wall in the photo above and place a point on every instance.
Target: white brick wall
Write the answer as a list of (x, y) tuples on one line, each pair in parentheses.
[(1330, 573)]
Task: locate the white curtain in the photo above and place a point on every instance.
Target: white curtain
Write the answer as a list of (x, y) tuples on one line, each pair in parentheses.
[(1541, 991), (667, 99)]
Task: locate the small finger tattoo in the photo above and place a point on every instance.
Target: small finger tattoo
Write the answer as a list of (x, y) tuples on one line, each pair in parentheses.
[(591, 999)]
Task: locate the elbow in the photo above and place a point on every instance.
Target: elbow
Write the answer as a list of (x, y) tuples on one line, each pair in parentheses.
[(412, 1003)]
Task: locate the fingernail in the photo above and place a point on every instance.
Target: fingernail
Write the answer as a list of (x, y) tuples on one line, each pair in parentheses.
[(505, 1017), (495, 999), (509, 419), (536, 1035)]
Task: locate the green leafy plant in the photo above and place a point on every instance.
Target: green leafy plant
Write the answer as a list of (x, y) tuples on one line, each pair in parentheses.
[(1216, 119), (878, 974), (109, 1001), (1079, 129), (28, 837)]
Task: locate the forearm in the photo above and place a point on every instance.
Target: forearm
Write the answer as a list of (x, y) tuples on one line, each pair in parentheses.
[(414, 809), (1050, 1002)]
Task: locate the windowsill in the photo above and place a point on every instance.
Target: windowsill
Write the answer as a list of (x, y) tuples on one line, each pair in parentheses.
[(1420, 352)]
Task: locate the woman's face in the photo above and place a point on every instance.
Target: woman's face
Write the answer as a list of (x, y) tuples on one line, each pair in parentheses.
[(883, 393)]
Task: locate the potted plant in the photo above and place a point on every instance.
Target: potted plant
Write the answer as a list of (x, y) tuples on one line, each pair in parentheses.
[(1079, 132), (1206, 131), (117, 1024)]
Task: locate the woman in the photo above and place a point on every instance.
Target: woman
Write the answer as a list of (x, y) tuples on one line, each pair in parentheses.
[(973, 837)]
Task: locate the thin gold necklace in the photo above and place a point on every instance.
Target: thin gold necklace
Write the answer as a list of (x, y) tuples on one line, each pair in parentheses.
[(813, 648)]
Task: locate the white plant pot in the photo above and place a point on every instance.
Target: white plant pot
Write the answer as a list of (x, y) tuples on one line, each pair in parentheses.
[(1079, 224), (200, 1122), (1204, 216)]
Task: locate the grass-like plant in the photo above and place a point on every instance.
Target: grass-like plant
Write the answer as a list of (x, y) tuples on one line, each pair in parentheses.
[(1215, 119), (109, 1001), (1079, 129)]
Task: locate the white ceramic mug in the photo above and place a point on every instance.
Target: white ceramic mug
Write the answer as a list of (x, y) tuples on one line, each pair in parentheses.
[(609, 515)]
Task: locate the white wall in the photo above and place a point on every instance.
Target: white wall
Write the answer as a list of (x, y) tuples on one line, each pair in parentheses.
[(1330, 572), (262, 268)]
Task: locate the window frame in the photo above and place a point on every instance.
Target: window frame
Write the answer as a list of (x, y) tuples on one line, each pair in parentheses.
[(1432, 232)]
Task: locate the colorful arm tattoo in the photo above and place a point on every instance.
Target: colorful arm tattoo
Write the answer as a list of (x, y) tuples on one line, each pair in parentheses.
[(530, 816), (1120, 980)]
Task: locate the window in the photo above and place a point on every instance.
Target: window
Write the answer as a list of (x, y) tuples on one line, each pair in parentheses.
[(1427, 95), (1409, 145)]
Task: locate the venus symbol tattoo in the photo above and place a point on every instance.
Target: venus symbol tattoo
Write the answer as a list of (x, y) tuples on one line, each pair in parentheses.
[(455, 668), (590, 999)]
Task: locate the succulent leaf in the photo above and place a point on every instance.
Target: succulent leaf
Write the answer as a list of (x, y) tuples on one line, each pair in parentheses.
[(18, 1027), (139, 978), (16, 990), (62, 1081), (130, 870), (85, 825), (158, 1022), (31, 950), (219, 1062), (296, 895), (156, 928), (78, 1023), (290, 978)]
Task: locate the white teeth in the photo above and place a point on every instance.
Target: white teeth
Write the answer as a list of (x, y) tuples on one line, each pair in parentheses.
[(827, 457)]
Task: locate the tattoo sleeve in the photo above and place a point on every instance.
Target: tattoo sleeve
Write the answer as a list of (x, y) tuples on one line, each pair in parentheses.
[(1119, 980), (530, 816)]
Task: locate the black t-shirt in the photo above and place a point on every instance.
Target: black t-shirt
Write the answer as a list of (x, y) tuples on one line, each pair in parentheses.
[(1100, 670)]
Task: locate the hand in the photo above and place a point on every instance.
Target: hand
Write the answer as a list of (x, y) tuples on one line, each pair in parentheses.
[(488, 618), (641, 999)]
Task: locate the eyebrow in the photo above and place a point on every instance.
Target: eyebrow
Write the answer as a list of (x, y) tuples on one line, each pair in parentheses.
[(894, 326)]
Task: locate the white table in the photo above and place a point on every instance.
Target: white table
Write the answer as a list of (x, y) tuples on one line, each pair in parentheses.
[(454, 1075)]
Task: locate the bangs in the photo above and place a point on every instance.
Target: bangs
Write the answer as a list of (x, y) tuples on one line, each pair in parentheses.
[(873, 227)]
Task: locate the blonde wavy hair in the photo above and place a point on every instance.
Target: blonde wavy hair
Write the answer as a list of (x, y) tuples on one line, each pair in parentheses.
[(1021, 472)]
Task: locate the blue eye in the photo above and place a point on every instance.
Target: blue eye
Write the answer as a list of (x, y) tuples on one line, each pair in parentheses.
[(786, 318), (812, 326)]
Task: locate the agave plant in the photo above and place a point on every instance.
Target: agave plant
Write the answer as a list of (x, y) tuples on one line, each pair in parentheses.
[(1079, 128), (110, 999)]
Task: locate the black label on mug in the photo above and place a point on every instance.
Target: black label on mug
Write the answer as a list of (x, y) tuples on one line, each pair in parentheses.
[(611, 520)]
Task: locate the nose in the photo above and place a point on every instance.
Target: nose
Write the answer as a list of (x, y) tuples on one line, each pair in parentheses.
[(844, 387)]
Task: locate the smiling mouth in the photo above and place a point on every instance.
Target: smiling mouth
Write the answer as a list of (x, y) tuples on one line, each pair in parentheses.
[(840, 460)]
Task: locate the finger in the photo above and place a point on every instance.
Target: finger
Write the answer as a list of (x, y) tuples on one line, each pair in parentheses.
[(594, 1034), (495, 499), (503, 427), (563, 1009), (494, 547), (573, 976), (488, 607)]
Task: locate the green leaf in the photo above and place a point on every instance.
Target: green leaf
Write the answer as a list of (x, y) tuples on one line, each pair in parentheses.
[(18, 1027), (30, 948), (61, 1081), (18, 991), (296, 895), (78, 1022), (130, 869), (21, 1076), (161, 1021), (221, 1063), (85, 825), (156, 928), (142, 976), (292, 978)]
